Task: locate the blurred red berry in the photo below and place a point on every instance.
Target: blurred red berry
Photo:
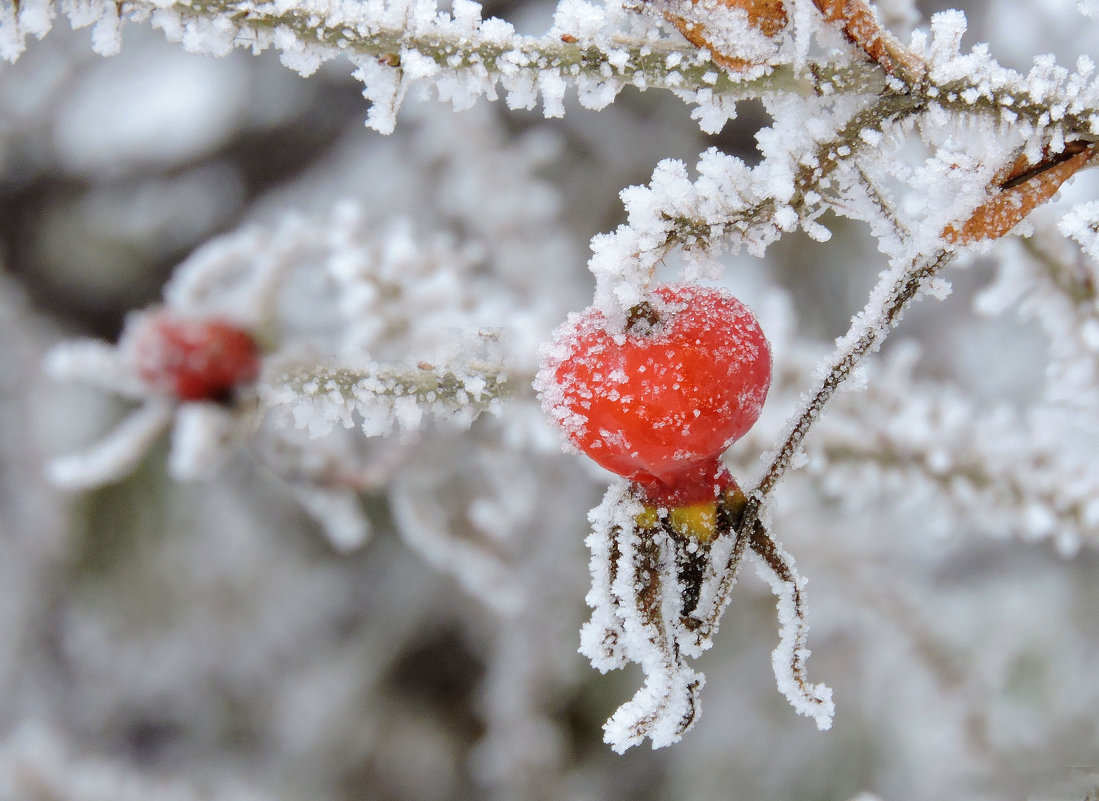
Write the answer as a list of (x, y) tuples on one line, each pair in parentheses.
[(192, 360), (660, 401)]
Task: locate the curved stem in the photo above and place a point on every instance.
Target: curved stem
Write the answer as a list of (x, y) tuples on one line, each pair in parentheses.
[(867, 332)]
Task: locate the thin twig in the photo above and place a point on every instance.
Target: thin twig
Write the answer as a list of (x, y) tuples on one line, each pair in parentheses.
[(904, 290)]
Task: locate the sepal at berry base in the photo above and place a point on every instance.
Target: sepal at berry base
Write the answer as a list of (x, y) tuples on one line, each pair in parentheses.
[(657, 598)]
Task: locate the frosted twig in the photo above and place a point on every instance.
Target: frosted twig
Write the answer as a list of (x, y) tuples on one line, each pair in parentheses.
[(394, 44), (743, 221), (868, 330), (384, 396)]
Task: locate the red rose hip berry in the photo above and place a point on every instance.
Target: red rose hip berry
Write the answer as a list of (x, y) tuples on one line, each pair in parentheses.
[(661, 400), (192, 359)]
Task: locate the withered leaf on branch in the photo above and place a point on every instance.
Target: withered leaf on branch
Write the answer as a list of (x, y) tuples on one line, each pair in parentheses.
[(1017, 190), (767, 16), (861, 27)]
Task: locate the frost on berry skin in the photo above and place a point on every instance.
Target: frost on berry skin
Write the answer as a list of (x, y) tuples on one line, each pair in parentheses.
[(660, 399), (191, 360)]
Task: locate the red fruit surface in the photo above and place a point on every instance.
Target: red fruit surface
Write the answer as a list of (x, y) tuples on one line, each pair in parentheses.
[(659, 402), (192, 360)]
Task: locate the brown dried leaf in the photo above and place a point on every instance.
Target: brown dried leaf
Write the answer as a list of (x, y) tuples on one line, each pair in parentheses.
[(769, 16), (860, 25), (1017, 190)]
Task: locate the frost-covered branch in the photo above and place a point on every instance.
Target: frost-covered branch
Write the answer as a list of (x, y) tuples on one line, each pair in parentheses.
[(730, 206), (597, 50), (896, 289), (395, 44), (384, 398)]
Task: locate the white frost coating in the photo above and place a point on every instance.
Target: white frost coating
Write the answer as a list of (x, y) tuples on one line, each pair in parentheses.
[(385, 89), (304, 58), (339, 514), (586, 21), (94, 363), (398, 43), (381, 398), (1089, 8), (647, 609), (202, 436), (458, 370), (552, 86), (1082, 224), (657, 597), (116, 455), (107, 33), (596, 93), (212, 36), (729, 204), (812, 700), (461, 54), (712, 111)]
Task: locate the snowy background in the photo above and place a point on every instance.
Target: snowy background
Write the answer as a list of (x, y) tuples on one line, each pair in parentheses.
[(252, 613)]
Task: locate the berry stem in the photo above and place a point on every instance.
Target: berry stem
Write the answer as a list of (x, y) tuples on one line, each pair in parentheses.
[(643, 312)]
